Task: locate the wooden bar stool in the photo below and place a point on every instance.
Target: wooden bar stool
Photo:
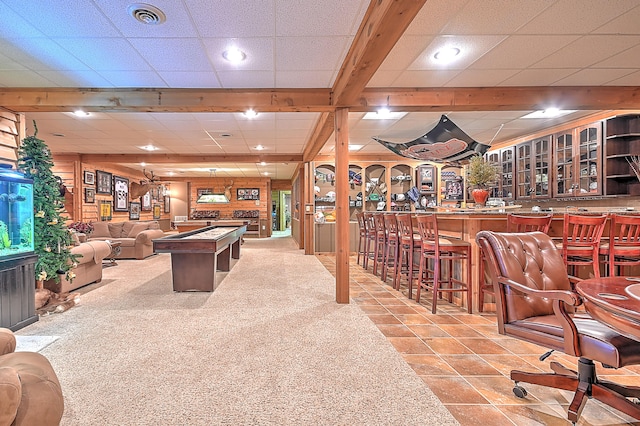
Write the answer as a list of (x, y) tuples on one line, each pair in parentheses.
[(515, 223), (370, 238), (362, 236), (392, 247), (436, 249), (408, 243), (380, 243), (623, 248), (581, 241)]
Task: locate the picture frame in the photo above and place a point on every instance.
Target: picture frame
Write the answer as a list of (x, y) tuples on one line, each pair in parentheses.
[(105, 210), (89, 195), (167, 204), (145, 200), (89, 178), (104, 182), (134, 210), (426, 182), (247, 194), (157, 211), (120, 194)]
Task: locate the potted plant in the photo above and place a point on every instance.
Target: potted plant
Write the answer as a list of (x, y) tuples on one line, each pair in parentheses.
[(482, 175)]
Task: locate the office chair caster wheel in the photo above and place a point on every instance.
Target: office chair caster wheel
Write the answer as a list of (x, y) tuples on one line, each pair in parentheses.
[(519, 391)]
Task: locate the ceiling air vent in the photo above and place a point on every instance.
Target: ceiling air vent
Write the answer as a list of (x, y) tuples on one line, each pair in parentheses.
[(147, 14)]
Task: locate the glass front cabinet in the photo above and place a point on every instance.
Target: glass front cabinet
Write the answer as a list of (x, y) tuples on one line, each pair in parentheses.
[(503, 159), (577, 164), (533, 162)]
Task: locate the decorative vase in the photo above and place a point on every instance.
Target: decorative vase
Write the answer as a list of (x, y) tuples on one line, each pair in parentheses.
[(480, 196)]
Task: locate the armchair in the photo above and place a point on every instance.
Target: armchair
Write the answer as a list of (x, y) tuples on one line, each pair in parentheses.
[(535, 303), (30, 393)]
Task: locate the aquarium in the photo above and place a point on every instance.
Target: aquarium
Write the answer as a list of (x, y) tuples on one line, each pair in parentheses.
[(16, 214)]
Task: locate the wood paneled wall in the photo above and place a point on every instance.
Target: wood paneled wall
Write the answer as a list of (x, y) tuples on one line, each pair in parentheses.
[(226, 210), (9, 137)]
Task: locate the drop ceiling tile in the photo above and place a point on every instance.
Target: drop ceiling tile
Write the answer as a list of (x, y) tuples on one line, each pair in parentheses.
[(246, 79), (433, 16), (328, 17), (587, 51), (105, 54), (522, 51), (471, 48), (23, 78), (77, 18), (14, 25), (304, 79), (626, 23), (133, 78), (593, 77), (76, 78), (480, 78), (173, 54), (575, 16), (538, 77), (309, 53), (384, 78), (432, 78), (223, 18), (190, 79), (627, 59), (405, 52), (40, 54), (632, 79)]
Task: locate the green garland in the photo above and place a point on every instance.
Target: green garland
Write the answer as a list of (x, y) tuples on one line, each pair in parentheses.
[(52, 238)]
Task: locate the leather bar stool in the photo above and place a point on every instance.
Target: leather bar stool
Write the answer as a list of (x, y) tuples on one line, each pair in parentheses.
[(392, 246), (515, 223), (436, 249), (623, 248), (380, 243), (409, 243), (581, 241), (370, 238)]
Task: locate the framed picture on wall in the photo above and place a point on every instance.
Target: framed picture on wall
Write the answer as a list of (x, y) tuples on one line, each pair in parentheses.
[(89, 195), (167, 204), (146, 202), (104, 183), (89, 178), (134, 210), (157, 211), (105, 210), (120, 194)]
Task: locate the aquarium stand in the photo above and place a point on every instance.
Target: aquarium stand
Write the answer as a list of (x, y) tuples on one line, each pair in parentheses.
[(17, 292)]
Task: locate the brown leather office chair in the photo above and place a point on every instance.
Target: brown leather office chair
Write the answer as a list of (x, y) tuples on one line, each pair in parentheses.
[(535, 303)]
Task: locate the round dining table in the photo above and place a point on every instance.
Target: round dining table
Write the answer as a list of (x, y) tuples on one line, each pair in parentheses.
[(614, 301)]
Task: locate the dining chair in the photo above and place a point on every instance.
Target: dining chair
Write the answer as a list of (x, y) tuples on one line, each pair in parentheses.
[(535, 303), (515, 223), (436, 250), (622, 250), (581, 241)]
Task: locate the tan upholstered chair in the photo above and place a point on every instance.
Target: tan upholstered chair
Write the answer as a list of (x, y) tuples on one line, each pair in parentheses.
[(535, 303), (30, 393)]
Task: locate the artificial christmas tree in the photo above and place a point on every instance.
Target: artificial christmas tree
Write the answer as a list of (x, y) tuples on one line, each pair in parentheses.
[(52, 237)]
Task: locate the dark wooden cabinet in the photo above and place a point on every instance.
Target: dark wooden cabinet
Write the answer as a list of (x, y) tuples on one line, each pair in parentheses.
[(17, 292), (577, 161), (621, 142), (503, 159), (533, 163)]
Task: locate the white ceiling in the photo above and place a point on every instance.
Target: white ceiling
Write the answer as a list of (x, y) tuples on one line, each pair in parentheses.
[(300, 44)]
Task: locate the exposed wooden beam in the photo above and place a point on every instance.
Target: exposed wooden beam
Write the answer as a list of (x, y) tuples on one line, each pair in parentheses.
[(321, 133), (382, 26), (499, 98), (165, 100), (177, 158)]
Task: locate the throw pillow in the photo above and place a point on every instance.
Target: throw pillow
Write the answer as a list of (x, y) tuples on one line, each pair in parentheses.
[(136, 229), (100, 230), (115, 229)]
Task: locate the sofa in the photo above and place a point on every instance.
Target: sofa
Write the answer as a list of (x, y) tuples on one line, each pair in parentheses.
[(136, 237), (30, 393), (88, 267)]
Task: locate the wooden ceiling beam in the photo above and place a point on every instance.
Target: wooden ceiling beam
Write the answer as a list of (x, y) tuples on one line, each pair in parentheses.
[(165, 100), (321, 133)]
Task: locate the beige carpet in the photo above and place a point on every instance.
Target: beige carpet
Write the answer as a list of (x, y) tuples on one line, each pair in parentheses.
[(270, 346)]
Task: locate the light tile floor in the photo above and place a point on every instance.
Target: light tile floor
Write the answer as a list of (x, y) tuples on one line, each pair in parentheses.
[(466, 363)]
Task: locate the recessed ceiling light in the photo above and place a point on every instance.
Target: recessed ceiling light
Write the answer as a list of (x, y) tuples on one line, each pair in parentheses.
[(147, 14), (266, 173), (388, 115), (262, 163), (447, 54), (355, 147), (259, 148), (549, 113), (149, 148), (234, 55), (250, 113), (143, 164), (80, 113)]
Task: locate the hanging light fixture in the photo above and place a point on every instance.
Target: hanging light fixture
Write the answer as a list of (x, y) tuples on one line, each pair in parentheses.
[(212, 197)]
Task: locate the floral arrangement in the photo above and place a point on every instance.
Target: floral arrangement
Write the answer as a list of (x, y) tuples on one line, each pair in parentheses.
[(82, 227)]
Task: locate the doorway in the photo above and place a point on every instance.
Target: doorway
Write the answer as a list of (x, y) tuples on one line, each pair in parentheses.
[(281, 211)]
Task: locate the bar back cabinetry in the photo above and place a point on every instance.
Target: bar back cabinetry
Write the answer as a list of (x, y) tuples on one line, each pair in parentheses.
[(577, 161), (533, 160), (503, 159), (622, 141)]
